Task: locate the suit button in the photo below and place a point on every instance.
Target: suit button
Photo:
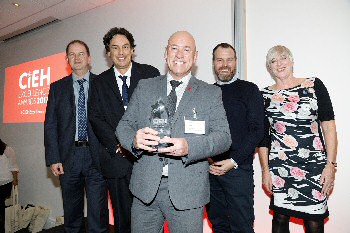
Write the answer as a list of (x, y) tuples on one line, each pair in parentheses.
[(161, 159)]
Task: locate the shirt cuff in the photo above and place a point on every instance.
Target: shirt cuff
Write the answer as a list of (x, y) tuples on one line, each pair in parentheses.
[(136, 152), (235, 165)]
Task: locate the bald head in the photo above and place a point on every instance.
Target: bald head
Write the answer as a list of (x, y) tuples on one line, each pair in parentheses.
[(182, 36), (180, 54)]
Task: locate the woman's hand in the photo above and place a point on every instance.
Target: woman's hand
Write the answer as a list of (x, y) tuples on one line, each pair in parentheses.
[(327, 179), (267, 180)]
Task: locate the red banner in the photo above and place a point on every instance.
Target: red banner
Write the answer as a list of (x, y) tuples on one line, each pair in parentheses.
[(27, 87)]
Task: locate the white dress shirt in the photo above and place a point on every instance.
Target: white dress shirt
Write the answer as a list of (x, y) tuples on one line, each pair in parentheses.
[(120, 81), (180, 90)]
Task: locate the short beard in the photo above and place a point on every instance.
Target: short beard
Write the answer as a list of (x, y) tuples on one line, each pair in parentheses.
[(225, 79)]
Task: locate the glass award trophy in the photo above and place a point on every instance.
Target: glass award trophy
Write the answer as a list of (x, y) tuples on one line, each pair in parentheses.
[(160, 121)]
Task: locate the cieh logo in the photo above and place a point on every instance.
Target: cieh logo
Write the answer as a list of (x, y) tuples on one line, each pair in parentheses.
[(34, 87)]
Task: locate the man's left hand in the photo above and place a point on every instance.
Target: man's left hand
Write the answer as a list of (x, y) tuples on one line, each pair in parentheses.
[(179, 147), (220, 168)]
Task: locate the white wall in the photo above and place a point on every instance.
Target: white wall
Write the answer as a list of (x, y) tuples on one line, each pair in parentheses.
[(318, 34), (150, 21)]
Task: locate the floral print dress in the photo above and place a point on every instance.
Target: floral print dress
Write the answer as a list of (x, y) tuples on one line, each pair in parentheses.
[(297, 152)]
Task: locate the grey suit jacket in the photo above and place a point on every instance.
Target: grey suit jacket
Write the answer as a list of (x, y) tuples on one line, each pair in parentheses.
[(188, 176)]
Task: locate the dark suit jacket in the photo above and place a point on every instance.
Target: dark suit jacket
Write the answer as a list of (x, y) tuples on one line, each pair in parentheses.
[(105, 111), (60, 127)]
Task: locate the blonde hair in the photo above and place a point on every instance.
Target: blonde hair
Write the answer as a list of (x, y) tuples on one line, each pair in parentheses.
[(278, 50)]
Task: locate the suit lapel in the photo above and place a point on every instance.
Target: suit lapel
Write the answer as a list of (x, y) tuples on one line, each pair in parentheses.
[(134, 79), (113, 84), (68, 86), (187, 96), (162, 86), (91, 78)]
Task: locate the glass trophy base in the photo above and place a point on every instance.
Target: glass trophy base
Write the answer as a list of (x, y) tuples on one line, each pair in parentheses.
[(163, 145)]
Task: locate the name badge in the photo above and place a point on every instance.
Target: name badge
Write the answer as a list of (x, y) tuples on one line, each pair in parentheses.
[(195, 126)]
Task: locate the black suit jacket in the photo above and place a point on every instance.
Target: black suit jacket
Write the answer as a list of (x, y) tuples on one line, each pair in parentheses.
[(60, 127), (105, 111)]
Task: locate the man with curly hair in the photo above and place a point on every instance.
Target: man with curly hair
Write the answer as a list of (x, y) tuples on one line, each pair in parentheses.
[(111, 93)]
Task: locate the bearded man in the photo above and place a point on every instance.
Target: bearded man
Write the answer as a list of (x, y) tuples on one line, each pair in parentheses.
[(231, 207)]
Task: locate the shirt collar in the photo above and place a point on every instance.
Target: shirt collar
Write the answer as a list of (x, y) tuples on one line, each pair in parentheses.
[(184, 80), (225, 83), (86, 77), (127, 73)]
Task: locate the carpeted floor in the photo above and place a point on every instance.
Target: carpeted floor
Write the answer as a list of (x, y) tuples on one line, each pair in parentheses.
[(59, 229)]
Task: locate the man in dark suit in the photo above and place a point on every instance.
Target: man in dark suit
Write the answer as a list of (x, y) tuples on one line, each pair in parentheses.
[(71, 148), (108, 101), (173, 183), (231, 180)]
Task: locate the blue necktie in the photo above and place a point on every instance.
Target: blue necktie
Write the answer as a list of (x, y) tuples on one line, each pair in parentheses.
[(125, 94), (172, 98), (82, 121)]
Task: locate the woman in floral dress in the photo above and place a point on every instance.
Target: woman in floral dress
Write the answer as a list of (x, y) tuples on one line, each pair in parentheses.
[(298, 153)]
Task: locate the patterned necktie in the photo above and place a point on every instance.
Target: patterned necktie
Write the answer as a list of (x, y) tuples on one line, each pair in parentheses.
[(82, 121), (172, 98), (125, 94)]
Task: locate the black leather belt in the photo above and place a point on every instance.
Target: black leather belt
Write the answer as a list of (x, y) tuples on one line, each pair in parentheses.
[(81, 143)]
